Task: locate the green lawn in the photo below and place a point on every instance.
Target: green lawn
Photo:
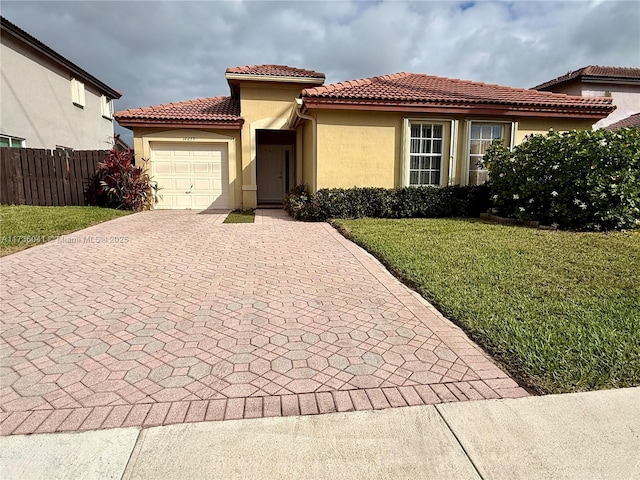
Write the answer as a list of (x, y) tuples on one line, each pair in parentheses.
[(559, 309), (245, 216), (25, 226)]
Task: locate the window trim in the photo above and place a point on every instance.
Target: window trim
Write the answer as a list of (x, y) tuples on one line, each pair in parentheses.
[(467, 153), (106, 107), (12, 138), (78, 97), (406, 148)]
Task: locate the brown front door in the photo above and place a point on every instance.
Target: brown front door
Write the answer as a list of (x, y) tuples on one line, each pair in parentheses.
[(272, 170)]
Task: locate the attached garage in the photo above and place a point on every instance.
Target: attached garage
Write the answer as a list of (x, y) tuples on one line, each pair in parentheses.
[(191, 175)]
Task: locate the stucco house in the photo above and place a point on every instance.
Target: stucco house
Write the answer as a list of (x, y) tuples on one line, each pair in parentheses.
[(281, 126), (621, 84), (47, 101)]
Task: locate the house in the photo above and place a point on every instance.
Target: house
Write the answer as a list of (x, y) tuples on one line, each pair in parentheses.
[(47, 101), (621, 84), (630, 121), (282, 126)]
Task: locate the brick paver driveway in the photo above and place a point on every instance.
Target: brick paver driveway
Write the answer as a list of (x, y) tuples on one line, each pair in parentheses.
[(189, 320)]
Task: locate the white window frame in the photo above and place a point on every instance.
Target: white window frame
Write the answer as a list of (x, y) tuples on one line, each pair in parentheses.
[(106, 105), (13, 140), (508, 129), (77, 93), (406, 164)]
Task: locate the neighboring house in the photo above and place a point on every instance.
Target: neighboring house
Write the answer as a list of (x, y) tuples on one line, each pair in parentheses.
[(282, 126), (120, 144), (621, 84), (630, 121), (47, 101)]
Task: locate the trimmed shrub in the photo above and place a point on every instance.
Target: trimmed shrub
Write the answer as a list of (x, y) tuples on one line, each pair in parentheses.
[(301, 204), (404, 202), (580, 180), (122, 185)]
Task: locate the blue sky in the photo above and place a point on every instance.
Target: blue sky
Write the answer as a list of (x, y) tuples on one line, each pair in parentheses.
[(157, 52)]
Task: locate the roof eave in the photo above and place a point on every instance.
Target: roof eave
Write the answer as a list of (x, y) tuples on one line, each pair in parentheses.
[(462, 108), (610, 79), (236, 77), (552, 84), (48, 52)]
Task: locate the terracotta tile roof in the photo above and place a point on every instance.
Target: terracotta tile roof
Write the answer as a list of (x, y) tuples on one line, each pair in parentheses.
[(275, 71), (427, 90), (613, 73), (630, 121), (202, 111)]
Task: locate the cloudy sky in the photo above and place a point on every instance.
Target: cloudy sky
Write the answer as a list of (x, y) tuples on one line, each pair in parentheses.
[(156, 52)]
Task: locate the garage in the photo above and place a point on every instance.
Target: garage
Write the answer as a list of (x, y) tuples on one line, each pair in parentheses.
[(191, 175)]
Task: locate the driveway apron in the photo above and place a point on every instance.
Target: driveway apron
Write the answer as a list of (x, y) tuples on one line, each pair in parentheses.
[(170, 317)]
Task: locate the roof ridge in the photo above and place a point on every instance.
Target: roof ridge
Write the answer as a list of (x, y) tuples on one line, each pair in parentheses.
[(223, 110), (419, 88), (517, 89), (279, 71), (352, 83), (591, 70), (175, 104)]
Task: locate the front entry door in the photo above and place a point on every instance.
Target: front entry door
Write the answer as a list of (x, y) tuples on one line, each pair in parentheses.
[(271, 171)]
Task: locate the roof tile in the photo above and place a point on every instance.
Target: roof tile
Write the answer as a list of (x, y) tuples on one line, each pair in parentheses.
[(412, 88), (593, 71), (203, 110), (275, 71), (630, 121)]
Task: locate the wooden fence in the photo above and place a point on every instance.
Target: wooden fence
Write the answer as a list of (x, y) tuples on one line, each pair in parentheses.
[(30, 176)]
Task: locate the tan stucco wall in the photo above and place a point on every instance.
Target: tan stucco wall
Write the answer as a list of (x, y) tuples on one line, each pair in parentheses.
[(35, 103), (527, 126), (354, 148), (367, 148), (263, 105), (142, 137), (307, 173), (358, 149)]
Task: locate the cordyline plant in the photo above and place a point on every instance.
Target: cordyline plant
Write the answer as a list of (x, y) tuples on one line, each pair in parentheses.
[(126, 186)]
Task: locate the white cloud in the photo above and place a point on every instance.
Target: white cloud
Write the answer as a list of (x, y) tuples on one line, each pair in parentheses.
[(169, 51)]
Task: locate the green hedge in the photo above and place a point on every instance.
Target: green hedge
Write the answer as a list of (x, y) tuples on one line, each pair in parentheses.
[(580, 180), (404, 202)]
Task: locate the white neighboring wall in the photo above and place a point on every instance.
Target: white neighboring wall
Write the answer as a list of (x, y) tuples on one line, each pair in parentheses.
[(36, 103), (625, 98)]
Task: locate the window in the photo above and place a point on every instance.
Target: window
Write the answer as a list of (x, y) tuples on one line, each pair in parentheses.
[(482, 135), (77, 93), (425, 153), (106, 104), (13, 142)]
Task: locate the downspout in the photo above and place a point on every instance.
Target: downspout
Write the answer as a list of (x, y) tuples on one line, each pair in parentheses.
[(314, 126)]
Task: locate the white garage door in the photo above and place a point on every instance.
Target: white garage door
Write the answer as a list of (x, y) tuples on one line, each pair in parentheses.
[(191, 175)]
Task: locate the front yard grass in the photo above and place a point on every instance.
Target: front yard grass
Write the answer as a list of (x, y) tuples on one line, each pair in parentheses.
[(23, 226), (561, 310), (240, 216)]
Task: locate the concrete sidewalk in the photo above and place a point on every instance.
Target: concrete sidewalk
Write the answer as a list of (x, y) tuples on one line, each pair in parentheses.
[(585, 435)]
